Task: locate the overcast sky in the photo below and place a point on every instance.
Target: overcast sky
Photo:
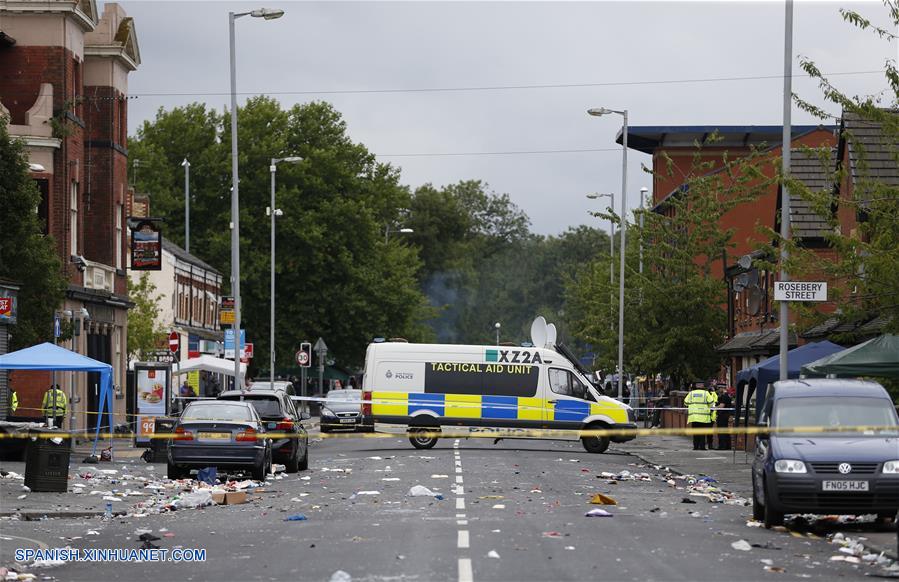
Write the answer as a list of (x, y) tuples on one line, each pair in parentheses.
[(343, 49)]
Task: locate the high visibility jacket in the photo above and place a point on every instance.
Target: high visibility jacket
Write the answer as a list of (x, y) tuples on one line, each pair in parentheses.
[(55, 402), (714, 396), (14, 402), (699, 406)]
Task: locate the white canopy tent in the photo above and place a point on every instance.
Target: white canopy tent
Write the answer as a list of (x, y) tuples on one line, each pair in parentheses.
[(209, 364)]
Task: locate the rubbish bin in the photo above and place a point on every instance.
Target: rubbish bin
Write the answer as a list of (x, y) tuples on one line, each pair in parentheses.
[(159, 446), (47, 463)]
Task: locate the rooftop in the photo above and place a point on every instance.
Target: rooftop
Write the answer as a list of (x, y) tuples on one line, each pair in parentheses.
[(185, 256), (648, 138)]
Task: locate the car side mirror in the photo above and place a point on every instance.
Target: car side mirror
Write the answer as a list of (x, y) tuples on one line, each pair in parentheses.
[(305, 416)]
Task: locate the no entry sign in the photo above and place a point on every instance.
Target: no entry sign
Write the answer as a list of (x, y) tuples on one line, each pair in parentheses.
[(174, 342)]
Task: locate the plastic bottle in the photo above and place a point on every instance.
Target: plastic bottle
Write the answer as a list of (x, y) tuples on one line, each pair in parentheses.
[(108, 514)]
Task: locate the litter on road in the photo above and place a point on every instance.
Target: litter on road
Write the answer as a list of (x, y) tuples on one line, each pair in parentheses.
[(597, 513)]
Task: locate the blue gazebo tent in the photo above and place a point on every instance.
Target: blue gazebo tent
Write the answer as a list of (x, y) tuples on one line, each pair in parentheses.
[(767, 372), (48, 356)]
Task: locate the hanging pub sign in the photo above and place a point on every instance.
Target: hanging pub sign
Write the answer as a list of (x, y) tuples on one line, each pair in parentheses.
[(146, 247)]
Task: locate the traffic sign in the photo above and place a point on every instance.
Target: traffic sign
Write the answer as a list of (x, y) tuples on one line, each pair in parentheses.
[(304, 355), (800, 291), (320, 346), (174, 342), (248, 351)]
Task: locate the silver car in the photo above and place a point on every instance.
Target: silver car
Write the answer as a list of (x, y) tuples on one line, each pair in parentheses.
[(343, 411)]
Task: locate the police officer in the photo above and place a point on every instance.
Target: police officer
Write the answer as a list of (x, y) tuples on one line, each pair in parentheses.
[(54, 405), (710, 439), (725, 402), (13, 401), (699, 414)]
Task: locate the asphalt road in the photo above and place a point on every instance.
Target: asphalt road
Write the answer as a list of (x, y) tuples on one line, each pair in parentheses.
[(523, 501)]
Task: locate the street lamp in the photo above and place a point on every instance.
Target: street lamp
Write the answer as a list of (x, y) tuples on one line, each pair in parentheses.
[(186, 165), (598, 112), (266, 14), (497, 325), (596, 196), (275, 213), (400, 230)]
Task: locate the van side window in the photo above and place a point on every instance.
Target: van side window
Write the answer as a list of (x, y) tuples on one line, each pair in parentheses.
[(578, 390), (559, 382)]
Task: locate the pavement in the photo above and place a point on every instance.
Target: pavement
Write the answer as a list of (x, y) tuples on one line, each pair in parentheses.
[(508, 511)]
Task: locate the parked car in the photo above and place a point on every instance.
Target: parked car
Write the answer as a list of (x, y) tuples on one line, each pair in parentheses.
[(830, 472), (343, 411), (282, 385), (279, 416), (220, 434)]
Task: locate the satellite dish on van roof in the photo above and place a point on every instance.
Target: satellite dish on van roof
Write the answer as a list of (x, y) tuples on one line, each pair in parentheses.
[(539, 332), (551, 335)]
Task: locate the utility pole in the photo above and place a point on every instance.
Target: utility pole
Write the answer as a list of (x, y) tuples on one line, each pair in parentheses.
[(785, 194)]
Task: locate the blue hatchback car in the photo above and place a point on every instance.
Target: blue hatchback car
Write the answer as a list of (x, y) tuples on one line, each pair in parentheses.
[(846, 473)]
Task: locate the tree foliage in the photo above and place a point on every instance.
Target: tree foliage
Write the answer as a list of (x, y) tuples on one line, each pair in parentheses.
[(336, 276), (27, 256), (145, 330), (674, 310)]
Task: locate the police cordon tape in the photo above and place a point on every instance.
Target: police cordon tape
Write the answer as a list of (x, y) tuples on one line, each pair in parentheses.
[(490, 432)]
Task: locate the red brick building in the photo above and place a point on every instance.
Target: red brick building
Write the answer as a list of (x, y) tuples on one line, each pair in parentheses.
[(752, 318), (63, 86)]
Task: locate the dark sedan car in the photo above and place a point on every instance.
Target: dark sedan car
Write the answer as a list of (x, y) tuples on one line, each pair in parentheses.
[(850, 473), (279, 415), (212, 433), (343, 411)]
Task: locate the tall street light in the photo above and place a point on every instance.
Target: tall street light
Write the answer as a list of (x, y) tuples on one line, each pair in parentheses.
[(598, 112), (275, 213), (387, 232), (498, 325), (186, 165), (595, 196), (266, 14)]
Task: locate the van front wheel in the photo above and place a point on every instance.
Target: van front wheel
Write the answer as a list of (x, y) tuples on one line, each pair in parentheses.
[(422, 438), (595, 444)]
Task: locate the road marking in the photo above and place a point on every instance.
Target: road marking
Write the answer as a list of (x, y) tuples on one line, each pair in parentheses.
[(459, 479), (460, 503), (462, 542), (460, 516), (461, 522), (465, 574), (459, 491), (458, 469), (38, 543), (709, 458)]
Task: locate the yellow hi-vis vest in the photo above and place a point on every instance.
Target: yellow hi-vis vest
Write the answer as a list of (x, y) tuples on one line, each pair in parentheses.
[(698, 409), (15, 402), (714, 396), (54, 403)]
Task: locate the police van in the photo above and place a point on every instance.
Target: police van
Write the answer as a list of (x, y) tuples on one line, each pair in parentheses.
[(508, 392)]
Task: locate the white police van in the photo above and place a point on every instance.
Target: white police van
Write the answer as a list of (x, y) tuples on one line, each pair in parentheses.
[(508, 392)]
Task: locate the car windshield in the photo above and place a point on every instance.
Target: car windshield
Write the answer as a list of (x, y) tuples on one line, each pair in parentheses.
[(835, 412), (267, 406), (346, 394), (217, 411)]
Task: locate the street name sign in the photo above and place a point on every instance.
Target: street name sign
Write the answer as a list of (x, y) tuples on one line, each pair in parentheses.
[(800, 291)]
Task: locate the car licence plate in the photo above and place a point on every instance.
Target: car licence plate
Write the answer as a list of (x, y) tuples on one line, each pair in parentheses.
[(347, 420), (214, 436), (845, 486)]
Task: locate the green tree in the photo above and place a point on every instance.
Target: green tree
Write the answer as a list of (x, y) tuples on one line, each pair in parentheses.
[(27, 256), (145, 332), (336, 276), (674, 310)]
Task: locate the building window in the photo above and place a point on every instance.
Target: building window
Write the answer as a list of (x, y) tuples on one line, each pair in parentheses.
[(73, 215), (119, 241)]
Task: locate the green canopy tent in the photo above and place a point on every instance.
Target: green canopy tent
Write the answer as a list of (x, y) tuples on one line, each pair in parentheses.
[(878, 357)]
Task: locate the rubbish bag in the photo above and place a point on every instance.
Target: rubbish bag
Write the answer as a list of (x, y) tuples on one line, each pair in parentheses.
[(198, 498), (207, 475), (421, 491)]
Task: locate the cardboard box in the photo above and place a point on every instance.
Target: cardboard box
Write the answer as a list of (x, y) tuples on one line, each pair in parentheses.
[(235, 497), (218, 497)]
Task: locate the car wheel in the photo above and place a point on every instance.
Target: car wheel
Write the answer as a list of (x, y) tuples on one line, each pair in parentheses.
[(292, 465), (304, 462), (421, 437), (771, 517), (885, 517), (175, 472), (758, 510), (261, 470), (595, 444)]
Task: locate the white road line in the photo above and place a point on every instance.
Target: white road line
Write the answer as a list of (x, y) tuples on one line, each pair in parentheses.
[(460, 503), (460, 516), (458, 469), (459, 479), (465, 574), (459, 491), (461, 522), (463, 539)]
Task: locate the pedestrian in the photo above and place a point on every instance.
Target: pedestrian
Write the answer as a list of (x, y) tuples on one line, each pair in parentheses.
[(661, 403), (725, 403), (710, 439), (215, 388), (699, 414), (13, 401), (54, 406)]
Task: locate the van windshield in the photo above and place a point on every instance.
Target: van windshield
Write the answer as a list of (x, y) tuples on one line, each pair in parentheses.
[(836, 412)]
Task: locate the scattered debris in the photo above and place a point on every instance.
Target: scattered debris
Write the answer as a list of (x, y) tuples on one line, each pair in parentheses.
[(597, 513), (297, 517), (493, 554), (421, 491), (600, 499), (741, 545)]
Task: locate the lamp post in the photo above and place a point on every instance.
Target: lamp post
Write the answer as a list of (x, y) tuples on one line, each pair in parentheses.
[(235, 206), (186, 165), (785, 195), (401, 230), (643, 192), (275, 213), (595, 196), (598, 112), (498, 325)]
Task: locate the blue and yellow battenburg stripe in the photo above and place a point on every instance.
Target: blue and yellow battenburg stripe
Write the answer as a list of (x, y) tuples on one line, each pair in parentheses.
[(486, 407)]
